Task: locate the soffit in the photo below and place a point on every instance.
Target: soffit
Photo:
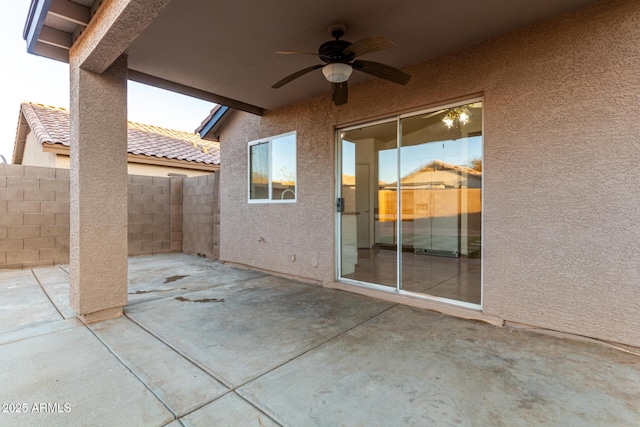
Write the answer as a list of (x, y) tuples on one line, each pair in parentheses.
[(218, 50), (53, 25), (227, 48)]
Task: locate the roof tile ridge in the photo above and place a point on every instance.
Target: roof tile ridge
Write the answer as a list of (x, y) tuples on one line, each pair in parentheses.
[(65, 130), (141, 126), (145, 127)]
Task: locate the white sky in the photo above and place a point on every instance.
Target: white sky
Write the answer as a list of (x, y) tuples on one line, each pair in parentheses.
[(25, 77)]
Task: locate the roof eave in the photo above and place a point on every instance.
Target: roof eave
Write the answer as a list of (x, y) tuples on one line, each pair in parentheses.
[(209, 128), (21, 139), (35, 21)]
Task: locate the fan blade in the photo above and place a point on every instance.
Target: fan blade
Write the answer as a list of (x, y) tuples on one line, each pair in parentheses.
[(296, 75), (339, 93), (382, 71), (282, 52), (285, 52), (368, 45)]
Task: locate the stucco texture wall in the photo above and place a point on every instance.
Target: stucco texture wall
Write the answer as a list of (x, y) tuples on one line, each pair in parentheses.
[(34, 156), (295, 239), (562, 147)]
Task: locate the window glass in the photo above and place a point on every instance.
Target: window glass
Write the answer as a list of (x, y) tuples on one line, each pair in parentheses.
[(259, 181), (283, 164), (272, 169)]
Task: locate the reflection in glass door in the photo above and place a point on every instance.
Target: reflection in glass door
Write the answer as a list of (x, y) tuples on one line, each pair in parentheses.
[(368, 238), (433, 246), (441, 188)]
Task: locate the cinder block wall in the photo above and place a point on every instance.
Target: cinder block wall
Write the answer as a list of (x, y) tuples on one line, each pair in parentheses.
[(176, 212), (34, 215), (152, 214), (201, 219)]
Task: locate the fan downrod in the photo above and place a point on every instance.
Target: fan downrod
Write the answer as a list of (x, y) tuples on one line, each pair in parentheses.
[(337, 30), (333, 50)]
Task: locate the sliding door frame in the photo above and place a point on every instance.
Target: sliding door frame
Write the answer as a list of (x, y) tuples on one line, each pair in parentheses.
[(398, 234)]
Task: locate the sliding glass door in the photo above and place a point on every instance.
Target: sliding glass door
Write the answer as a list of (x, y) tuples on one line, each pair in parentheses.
[(412, 211), (368, 216)]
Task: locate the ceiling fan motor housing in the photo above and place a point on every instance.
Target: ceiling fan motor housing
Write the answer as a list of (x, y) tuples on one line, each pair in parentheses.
[(333, 51)]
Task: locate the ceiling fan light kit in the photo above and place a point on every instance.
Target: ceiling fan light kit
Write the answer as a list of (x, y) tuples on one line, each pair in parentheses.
[(456, 116), (337, 73), (340, 59)]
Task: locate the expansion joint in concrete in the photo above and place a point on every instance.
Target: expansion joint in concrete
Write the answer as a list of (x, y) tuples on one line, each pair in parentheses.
[(177, 350), (315, 346), (47, 294), (132, 372)]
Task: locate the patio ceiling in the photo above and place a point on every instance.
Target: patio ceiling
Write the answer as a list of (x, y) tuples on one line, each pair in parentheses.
[(226, 49)]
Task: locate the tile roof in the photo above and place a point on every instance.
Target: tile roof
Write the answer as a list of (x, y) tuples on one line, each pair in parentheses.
[(51, 126)]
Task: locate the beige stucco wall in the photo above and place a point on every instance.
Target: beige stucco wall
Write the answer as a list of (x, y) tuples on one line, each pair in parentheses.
[(34, 156), (562, 142), (62, 162), (267, 235), (153, 170), (139, 168)]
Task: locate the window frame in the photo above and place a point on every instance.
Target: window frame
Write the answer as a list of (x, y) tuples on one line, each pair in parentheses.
[(269, 141)]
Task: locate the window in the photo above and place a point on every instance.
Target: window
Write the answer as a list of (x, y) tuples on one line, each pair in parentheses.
[(272, 169)]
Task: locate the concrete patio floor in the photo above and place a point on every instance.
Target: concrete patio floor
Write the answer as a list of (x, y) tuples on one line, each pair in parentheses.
[(206, 344)]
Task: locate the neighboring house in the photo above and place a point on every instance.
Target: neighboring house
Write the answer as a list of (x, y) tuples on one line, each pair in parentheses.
[(549, 92), (43, 140)]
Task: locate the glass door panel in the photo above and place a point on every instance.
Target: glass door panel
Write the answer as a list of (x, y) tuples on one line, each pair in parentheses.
[(441, 202), (417, 201), (369, 218)]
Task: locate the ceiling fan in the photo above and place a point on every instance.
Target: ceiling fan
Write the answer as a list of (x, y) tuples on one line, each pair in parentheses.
[(339, 57)]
